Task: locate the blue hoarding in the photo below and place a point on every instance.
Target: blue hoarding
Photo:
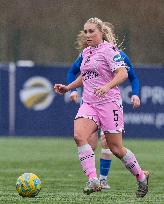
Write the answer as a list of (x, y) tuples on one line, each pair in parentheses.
[(40, 112), (4, 100), (148, 120)]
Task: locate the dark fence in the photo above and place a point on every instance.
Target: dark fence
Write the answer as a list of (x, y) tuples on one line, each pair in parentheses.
[(29, 106)]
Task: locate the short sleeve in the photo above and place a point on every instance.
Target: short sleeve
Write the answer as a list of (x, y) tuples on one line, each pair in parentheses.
[(114, 59)]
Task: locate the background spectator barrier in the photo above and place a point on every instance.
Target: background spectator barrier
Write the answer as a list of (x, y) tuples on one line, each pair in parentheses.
[(29, 106)]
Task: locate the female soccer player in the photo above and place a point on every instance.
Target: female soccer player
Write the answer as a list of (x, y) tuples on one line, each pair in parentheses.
[(106, 154), (102, 70)]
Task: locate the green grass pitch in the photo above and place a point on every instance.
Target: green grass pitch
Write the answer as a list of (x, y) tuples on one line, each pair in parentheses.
[(55, 161)]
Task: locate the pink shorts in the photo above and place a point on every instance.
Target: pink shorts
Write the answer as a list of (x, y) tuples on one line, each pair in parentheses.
[(107, 116)]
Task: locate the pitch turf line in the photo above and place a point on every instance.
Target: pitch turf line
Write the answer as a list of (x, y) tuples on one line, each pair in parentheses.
[(55, 161)]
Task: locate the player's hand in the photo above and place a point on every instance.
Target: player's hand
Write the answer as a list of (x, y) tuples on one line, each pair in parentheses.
[(60, 88), (74, 96), (135, 100), (101, 91)]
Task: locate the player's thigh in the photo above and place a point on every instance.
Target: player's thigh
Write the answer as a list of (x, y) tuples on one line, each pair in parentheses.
[(86, 122), (114, 140), (84, 128), (111, 117)]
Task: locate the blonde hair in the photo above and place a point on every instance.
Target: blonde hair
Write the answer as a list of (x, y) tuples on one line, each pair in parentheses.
[(105, 27), (119, 44)]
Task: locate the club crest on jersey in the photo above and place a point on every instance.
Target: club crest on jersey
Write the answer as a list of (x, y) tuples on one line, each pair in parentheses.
[(87, 60), (117, 58)]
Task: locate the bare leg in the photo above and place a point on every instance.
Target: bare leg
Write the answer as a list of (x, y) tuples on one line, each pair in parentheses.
[(93, 140), (114, 141), (83, 129)]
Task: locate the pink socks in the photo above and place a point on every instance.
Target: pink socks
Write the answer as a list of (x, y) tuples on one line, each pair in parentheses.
[(87, 160), (132, 165)]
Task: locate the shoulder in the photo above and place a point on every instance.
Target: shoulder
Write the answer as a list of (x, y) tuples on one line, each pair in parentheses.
[(113, 53), (85, 51), (109, 46), (123, 54), (126, 59)]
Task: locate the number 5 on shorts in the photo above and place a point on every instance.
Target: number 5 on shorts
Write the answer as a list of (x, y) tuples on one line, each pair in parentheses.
[(115, 115)]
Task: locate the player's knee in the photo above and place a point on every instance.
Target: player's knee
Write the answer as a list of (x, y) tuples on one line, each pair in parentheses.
[(93, 146), (116, 150), (79, 139)]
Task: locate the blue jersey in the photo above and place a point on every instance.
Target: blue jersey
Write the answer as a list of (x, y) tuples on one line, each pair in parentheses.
[(75, 69)]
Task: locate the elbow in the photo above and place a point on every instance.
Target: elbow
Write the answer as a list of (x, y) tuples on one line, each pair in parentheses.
[(125, 74)]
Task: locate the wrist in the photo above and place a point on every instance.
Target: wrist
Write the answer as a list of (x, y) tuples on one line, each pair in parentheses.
[(108, 85), (68, 88)]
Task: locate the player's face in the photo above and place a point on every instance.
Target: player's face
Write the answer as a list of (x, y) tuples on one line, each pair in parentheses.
[(93, 34)]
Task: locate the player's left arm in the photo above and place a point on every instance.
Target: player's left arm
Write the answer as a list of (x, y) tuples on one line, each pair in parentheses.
[(135, 100), (120, 76), (116, 65)]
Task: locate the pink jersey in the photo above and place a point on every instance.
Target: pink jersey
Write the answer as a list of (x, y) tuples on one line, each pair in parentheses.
[(97, 69)]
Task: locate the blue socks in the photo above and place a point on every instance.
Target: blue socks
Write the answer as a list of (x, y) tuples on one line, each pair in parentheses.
[(104, 168)]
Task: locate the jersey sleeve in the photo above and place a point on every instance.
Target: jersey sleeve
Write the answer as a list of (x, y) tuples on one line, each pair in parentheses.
[(114, 59), (74, 70), (132, 76)]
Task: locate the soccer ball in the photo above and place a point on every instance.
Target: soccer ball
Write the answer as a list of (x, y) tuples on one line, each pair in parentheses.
[(28, 185)]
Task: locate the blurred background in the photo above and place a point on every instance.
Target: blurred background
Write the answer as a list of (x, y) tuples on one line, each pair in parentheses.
[(37, 47), (45, 30), (44, 33)]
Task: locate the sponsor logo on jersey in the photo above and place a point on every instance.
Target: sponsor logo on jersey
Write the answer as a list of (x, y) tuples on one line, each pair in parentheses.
[(117, 58), (89, 75)]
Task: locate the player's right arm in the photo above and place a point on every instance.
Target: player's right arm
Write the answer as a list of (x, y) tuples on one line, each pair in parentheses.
[(71, 76), (62, 89)]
